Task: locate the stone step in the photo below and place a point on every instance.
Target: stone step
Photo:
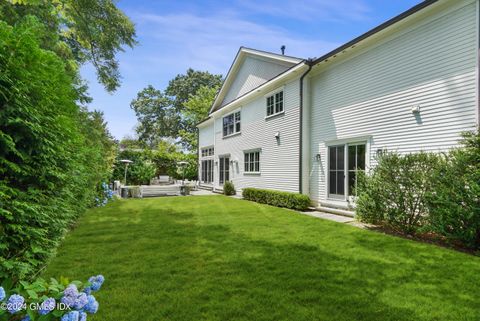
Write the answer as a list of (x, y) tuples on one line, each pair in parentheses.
[(337, 211)]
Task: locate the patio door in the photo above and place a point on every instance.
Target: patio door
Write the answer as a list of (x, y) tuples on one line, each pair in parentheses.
[(336, 172), (345, 163), (224, 169), (207, 171)]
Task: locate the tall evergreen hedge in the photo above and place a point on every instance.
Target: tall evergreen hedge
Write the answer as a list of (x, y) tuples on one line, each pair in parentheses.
[(53, 154)]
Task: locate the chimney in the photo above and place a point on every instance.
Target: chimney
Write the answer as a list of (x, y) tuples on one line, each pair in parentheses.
[(283, 49)]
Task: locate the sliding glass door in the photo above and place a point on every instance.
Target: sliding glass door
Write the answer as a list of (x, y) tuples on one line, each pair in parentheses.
[(207, 171), (345, 162)]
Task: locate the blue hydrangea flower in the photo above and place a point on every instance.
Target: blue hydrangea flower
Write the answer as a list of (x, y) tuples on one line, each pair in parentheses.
[(83, 316), (92, 305), (47, 306), (27, 318), (80, 301), (87, 290), (71, 316), (96, 282), (2, 294), (15, 303), (70, 295)]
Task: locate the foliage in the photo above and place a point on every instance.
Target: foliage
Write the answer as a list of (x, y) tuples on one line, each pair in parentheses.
[(52, 153), (229, 188), (139, 172), (394, 195), (294, 201), (174, 112), (455, 203), (48, 301), (196, 109), (156, 115), (79, 31)]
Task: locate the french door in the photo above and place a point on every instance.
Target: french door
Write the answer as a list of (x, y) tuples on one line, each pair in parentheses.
[(207, 171), (224, 169), (344, 164)]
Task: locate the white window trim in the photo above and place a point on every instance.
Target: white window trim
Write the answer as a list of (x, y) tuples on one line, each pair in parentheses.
[(367, 140), (272, 93), (207, 147), (230, 113), (255, 150)]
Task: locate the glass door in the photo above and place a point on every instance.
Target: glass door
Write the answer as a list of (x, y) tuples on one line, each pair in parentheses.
[(224, 169), (207, 171), (336, 172), (356, 164)]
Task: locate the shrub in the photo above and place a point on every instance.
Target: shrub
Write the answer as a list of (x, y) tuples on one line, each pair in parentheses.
[(229, 188), (53, 153), (294, 201), (42, 300), (455, 202), (394, 194)]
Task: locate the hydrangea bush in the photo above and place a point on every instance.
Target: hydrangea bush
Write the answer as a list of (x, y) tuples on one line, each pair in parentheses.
[(105, 195), (49, 301)]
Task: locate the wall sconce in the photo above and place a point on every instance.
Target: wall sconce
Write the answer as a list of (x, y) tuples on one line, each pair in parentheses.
[(415, 109), (318, 157), (277, 135)]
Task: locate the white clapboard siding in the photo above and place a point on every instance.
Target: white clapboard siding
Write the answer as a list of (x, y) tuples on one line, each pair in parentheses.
[(253, 73), (206, 135), (371, 94), (278, 162)]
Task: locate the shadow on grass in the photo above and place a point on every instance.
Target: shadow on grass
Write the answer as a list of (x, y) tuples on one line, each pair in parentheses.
[(170, 264)]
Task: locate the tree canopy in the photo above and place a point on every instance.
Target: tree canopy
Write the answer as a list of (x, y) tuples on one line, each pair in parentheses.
[(173, 113)]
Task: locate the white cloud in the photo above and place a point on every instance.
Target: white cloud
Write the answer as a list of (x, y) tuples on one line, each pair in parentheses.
[(210, 42)]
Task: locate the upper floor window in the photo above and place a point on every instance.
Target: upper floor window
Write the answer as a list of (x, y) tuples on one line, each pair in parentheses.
[(252, 162), (207, 151), (231, 124), (275, 103)]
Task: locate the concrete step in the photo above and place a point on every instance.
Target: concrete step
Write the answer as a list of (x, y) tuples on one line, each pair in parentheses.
[(205, 187), (336, 211)]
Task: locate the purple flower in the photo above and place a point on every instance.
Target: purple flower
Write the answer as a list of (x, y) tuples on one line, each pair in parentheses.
[(92, 305), (71, 316), (15, 303), (47, 306), (2, 294), (96, 282), (83, 316), (80, 301)]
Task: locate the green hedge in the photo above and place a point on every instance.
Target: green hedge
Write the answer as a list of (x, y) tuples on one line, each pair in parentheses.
[(280, 199)]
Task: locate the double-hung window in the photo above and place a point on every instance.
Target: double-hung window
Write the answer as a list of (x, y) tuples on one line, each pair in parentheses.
[(275, 103), (231, 124), (252, 162)]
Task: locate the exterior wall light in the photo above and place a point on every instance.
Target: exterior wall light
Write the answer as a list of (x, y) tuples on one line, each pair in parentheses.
[(318, 157), (415, 109)]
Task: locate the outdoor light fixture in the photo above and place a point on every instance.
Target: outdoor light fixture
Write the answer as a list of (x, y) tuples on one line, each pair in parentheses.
[(318, 157), (183, 164), (126, 162), (415, 109), (277, 135)]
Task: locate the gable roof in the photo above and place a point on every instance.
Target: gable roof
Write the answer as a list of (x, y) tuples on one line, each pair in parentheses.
[(280, 63)]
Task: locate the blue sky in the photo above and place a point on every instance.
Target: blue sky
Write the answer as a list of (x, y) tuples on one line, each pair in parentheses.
[(205, 35)]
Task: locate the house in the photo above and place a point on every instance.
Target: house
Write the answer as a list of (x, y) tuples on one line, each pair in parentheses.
[(311, 125)]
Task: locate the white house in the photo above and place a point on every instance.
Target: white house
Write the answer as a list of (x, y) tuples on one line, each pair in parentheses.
[(309, 125)]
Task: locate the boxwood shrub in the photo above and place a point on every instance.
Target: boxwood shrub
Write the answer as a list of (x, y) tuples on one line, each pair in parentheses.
[(294, 201)]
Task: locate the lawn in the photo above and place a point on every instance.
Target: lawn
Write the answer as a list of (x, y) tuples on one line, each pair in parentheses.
[(218, 258)]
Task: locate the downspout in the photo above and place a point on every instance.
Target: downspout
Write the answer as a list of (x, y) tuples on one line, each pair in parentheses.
[(300, 154)]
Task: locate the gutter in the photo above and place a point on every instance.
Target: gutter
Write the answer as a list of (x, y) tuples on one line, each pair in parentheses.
[(310, 64)]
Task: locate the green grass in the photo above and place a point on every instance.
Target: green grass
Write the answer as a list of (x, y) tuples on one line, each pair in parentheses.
[(218, 258)]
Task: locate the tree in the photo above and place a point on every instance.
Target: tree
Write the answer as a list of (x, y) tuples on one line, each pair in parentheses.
[(196, 109), (156, 115), (79, 31), (164, 115)]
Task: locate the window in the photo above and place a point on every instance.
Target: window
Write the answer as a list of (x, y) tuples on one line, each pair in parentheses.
[(209, 151), (207, 171), (275, 104), (231, 124), (252, 162), (356, 164)]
